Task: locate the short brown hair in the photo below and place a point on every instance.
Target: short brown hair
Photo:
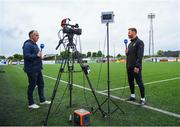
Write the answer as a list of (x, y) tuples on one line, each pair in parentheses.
[(133, 29), (31, 32)]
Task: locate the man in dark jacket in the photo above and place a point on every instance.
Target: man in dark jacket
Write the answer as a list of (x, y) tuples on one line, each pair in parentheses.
[(33, 66), (134, 54)]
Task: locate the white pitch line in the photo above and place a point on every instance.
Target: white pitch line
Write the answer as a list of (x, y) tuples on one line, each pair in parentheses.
[(62, 81), (67, 83), (144, 84), (146, 106), (118, 98)]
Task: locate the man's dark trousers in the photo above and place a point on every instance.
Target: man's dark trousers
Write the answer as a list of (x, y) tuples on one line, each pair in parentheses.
[(35, 78), (138, 77)]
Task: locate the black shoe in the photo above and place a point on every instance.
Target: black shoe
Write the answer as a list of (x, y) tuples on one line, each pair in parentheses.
[(142, 102), (131, 99)]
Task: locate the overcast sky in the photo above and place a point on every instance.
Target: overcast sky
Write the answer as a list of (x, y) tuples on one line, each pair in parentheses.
[(18, 17)]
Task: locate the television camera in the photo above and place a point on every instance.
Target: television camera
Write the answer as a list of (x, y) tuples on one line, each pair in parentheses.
[(69, 28)]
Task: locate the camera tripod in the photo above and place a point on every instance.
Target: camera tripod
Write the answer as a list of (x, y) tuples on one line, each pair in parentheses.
[(69, 62)]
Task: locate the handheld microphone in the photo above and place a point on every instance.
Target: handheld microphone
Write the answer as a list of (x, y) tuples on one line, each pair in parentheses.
[(125, 42), (41, 46)]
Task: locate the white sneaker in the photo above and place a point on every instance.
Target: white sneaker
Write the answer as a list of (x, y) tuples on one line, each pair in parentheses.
[(45, 102), (33, 106)]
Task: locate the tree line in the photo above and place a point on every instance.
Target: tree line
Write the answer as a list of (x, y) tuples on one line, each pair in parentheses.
[(89, 54), (15, 57), (62, 55)]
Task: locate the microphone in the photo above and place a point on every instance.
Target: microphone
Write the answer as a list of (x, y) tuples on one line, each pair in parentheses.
[(41, 46), (125, 42)]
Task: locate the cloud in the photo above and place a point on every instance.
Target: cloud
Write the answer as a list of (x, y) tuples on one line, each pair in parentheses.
[(18, 17)]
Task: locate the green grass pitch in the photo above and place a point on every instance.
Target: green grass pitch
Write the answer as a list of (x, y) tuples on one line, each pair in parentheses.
[(162, 86)]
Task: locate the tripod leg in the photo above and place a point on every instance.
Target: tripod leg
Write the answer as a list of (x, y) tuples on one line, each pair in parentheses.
[(85, 71), (92, 89), (101, 105), (70, 65), (117, 107), (55, 89)]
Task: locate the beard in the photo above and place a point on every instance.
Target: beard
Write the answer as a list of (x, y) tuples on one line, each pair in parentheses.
[(130, 36)]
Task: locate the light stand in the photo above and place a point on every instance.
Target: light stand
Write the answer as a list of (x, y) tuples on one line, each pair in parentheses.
[(151, 16), (108, 17)]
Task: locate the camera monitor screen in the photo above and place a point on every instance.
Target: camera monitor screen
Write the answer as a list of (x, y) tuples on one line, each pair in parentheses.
[(107, 17)]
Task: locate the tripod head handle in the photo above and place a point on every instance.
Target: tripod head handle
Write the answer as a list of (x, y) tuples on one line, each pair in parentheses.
[(60, 42)]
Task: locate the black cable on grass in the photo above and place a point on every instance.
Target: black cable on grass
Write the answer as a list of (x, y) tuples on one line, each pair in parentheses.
[(100, 69), (84, 91), (99, 74), (84, 84), (57, 109), (125, 82)]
